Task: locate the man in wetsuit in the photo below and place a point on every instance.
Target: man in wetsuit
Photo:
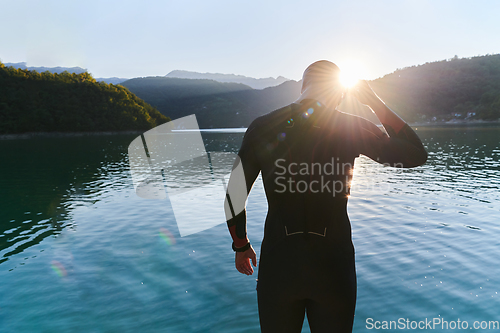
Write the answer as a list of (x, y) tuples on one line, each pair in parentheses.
[(305, 152)]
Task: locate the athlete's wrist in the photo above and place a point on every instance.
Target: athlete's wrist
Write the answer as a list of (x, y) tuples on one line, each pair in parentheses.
[(241, 248), (239, 241)]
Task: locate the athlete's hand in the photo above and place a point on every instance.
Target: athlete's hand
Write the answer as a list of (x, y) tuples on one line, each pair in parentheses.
[(364, 93), (242, 261)]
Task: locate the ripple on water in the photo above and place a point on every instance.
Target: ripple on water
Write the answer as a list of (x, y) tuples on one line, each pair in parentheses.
[(425, 241)]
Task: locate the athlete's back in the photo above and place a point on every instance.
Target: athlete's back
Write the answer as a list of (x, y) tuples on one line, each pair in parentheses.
[(306, 154)]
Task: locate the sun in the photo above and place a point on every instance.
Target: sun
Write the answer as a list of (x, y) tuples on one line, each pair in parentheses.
[(348, 80), (350, 74)]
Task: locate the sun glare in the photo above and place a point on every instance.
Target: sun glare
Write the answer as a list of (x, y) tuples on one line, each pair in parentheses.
[(350, 74), (348, 81)]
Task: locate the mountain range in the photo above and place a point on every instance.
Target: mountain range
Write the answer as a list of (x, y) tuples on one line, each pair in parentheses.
[(215, 104), (455, 89), (58, 70), (249, 81), (181, 74)]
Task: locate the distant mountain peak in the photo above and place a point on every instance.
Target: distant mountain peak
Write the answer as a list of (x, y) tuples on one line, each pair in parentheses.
[(41, 69), (249, 81)]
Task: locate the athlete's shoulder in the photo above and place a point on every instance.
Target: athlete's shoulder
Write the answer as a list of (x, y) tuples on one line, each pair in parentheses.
[(357, 125), (270, 121)]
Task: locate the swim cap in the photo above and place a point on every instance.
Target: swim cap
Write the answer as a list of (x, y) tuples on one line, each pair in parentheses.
[(320, 73)]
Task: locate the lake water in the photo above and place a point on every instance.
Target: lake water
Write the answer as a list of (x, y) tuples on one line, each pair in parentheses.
[(81, 252)]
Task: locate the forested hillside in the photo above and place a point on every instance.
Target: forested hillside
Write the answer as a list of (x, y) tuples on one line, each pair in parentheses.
[(47, 102), (467, 88), (455, 89), (215, 104)]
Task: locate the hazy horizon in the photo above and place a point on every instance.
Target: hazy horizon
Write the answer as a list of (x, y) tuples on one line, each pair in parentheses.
[(258, 39), (236, 74)]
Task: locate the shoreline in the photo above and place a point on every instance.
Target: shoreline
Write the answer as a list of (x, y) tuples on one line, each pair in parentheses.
[(457, 122), (31, 135)]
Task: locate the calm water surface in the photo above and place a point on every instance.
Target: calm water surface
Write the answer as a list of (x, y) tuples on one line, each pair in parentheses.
[(80, 252)]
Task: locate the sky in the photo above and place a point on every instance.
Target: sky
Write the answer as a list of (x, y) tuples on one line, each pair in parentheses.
[(247, 37)]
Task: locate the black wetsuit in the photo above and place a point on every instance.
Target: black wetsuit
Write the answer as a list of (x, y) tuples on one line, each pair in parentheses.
[(306, 155)]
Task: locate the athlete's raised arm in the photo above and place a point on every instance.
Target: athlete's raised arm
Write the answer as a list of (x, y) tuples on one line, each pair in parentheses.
[(402, 148)]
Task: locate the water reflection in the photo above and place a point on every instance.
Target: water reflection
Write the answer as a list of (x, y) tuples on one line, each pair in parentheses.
[(43, 180), (424, 240), (464, 162)]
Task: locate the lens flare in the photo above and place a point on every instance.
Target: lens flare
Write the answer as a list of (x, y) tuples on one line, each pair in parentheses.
[(58, 268), (167, 236)]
